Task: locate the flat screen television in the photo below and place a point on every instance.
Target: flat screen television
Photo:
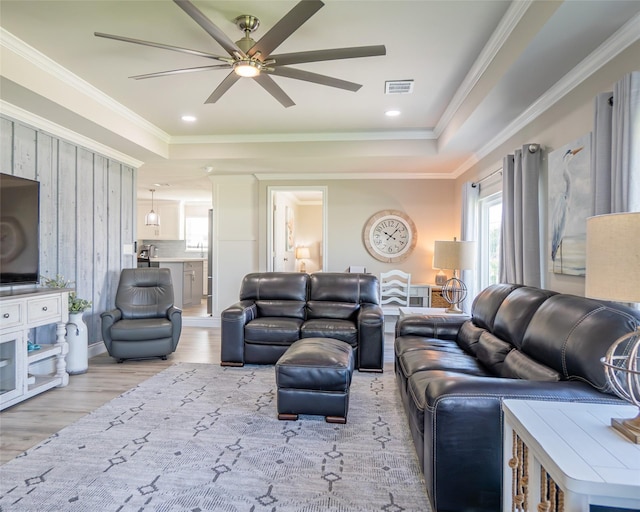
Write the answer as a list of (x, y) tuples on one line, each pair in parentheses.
[(19, 230)]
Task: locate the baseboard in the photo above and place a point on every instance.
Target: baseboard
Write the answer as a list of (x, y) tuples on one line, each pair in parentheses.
[(95, 349)]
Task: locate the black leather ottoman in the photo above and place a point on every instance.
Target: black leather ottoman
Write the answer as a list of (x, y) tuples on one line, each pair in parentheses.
[(313, 377)]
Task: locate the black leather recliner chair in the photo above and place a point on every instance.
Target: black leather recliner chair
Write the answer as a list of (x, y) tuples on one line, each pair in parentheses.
[(144, 323), (279, 308)]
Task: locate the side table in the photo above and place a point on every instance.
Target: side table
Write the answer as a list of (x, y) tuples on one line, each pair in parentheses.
[(569, 455)]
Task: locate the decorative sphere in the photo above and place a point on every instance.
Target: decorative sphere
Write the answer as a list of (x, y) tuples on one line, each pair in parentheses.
[(454, 291), (622, 367)]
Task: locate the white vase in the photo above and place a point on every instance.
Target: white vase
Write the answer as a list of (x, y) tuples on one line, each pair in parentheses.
[(78, 340)]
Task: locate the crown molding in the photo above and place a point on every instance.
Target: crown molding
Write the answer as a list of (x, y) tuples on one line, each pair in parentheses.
[(41, 61), (56, 130), (507, 25), (354, 176), (628, 34), (304, 137)]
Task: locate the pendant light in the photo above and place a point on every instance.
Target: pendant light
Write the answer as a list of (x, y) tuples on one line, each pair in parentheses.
[(151, 218)]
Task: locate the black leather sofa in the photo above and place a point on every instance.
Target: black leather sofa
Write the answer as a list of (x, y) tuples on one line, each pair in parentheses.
[(453, 373), (278, 308)]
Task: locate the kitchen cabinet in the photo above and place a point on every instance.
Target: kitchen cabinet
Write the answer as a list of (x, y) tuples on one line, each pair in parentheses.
[(192, 283), (187, 278), (171, 220), (24, 373)]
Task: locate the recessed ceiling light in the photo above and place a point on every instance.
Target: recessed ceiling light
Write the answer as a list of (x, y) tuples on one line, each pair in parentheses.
[(392, 113), (189, 119)]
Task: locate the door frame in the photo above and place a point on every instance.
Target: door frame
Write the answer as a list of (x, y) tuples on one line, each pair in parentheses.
[(271, 191)]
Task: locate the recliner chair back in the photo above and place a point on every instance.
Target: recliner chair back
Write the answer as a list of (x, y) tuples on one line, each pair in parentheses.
[(144, 292), (282, 294), (339, 295)]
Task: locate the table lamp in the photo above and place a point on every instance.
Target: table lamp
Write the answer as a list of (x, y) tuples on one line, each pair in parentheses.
[(302, 254), (454, 255), (613, 273)]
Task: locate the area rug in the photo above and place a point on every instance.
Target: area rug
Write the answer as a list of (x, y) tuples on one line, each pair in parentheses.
[(199, 437)]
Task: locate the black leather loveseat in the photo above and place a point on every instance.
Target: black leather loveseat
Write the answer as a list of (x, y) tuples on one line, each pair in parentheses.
[(278, 308), (520, 343)]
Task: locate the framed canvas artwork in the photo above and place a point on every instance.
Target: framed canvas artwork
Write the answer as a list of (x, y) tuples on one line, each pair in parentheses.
[(569, 206)]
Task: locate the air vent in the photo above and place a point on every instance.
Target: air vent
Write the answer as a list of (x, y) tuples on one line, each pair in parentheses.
[(398, 87)]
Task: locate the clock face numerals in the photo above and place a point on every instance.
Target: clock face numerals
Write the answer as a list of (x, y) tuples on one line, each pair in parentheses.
[(390, 236)]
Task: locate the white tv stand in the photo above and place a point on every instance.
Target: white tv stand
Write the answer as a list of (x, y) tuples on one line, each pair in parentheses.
[(20, 311)]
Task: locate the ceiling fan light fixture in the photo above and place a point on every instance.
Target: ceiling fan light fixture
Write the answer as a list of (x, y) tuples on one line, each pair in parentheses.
[(247, 68)]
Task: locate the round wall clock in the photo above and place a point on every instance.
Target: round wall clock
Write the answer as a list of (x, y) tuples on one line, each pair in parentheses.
[(390, 236)]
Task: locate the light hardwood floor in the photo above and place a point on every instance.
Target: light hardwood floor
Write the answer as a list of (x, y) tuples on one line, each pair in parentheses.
[(34, 420)]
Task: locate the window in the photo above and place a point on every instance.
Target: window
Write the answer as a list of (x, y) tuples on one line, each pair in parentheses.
[(196, 228), (489, 225)]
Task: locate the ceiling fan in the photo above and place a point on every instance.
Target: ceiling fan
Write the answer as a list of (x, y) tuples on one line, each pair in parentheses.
[(248, 58)]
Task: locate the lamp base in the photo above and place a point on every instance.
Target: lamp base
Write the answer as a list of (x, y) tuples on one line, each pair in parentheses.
[(454, 309), (629, 427)]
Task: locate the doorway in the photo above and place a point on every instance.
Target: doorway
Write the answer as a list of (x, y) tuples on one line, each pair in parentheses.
[(296, 229)]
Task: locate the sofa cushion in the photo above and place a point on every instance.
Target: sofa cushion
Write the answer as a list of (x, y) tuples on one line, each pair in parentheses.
[(287, 308), (277, 330), (405, 344), (570, 334), (343, 330), (486, 304), (516, 311), (491, 352), (520, 366), (330, 309), (276, 293), (468, 337), (343, 287), (423, 360)]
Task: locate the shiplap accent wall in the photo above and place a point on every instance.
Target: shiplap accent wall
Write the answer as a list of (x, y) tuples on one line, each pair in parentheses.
[(87, 212)]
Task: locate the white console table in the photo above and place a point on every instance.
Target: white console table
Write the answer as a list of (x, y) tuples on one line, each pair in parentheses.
[(570, 453), (24, 374)]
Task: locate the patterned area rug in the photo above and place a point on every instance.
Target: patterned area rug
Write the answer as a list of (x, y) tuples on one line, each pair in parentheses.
[(199, 437)]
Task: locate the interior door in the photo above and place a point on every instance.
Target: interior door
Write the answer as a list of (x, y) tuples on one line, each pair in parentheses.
[(283, 254), (297, 217)]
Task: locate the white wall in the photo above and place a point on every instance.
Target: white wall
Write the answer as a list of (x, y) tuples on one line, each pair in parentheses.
[(568, 119)]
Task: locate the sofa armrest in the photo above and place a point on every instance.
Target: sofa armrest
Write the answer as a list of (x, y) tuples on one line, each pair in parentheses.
[(174, 314), (233, 320), (463, 433), (109, 318), (442, 327), (370, 338)]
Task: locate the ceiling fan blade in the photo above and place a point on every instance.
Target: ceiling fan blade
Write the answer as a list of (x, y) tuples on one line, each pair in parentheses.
[(307, 76), (286, 59), (163, 46), (286, 26), (224, 86), (180, 71), (274, 89), (221, 38)]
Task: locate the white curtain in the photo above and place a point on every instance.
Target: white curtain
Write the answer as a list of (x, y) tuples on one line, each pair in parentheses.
[(520, 240), (468, 232), (616, 148)]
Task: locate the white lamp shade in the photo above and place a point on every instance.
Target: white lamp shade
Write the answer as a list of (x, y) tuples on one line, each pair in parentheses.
[(613, 257), (303, 253), (454, 255)]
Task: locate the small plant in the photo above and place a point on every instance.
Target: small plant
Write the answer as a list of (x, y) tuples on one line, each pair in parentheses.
[(77, 305), (55, 282)]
